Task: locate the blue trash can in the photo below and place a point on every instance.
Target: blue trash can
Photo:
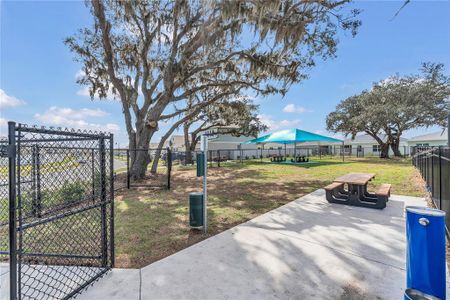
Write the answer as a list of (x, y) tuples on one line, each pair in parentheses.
[(425, 253)]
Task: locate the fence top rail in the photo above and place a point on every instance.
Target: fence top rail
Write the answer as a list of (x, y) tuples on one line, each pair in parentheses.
[(63, 131), (429, 150), (142, 149)]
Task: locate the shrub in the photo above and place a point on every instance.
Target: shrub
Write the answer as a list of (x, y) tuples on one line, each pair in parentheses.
[(71, 192)]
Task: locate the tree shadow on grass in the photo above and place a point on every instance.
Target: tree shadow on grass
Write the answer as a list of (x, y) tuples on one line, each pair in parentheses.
[(152, 224)]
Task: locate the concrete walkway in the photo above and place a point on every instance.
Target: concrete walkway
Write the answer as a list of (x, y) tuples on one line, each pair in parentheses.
[(307, 249)]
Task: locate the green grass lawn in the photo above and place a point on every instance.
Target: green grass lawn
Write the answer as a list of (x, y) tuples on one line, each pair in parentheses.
[(153, 224)]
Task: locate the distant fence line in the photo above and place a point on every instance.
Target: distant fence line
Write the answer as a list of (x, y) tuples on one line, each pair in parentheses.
[(316, 151), (216, 157), (434, 166)]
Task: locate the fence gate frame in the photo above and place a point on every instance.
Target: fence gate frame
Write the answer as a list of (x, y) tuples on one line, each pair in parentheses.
[(42, 267)]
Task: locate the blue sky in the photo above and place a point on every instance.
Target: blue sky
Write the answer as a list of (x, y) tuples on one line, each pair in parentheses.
[(37, 71)]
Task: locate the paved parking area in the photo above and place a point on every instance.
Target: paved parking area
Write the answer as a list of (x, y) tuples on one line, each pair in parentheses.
[(307, 249)]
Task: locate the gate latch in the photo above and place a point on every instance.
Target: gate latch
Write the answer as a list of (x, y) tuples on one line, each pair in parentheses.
[(7, 151)]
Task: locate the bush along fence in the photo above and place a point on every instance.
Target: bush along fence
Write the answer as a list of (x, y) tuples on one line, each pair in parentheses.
[(159, 177), (434, 166), (56, 210)]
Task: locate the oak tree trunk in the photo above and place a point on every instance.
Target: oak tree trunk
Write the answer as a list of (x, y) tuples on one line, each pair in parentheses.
[(139, 151), (396, 148), (187, 145), (384, 150)]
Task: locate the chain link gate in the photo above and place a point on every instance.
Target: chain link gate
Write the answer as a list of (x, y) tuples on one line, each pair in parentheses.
[(61, 212)]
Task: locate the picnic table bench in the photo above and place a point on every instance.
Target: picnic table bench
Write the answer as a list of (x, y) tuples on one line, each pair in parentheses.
[(300, 158), (356, 193), (277, 158)]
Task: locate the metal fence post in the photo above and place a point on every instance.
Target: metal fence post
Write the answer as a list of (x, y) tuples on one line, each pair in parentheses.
[(448, 130), (169, 166), (432, 172), (128, 168), (38, 182), (103, 200), (111, 193), (93, 174), (218, 158), (12, 210)]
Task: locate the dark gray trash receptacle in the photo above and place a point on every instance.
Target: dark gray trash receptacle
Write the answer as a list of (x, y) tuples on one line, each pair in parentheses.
[(196, 210)]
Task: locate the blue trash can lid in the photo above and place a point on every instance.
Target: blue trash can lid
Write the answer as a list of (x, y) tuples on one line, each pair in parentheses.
[(426, 211)]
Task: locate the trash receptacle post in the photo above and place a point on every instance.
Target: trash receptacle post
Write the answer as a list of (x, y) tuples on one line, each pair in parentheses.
[(204, 148)]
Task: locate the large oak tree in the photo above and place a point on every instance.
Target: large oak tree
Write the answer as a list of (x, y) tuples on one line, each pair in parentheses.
[(395, 105), (154, 55)]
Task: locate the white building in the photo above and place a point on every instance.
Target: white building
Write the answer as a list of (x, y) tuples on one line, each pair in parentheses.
[(366, 145), (432, 139), (176, 142)]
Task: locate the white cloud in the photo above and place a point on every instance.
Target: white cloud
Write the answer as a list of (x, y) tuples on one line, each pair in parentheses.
[(292, 108), (68, 117), (278, 124), (85, 93), (3, 122), (9, 101), (79, 74)]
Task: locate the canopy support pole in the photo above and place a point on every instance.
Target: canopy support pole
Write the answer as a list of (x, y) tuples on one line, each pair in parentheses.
[(343, 153), (285, 150), (295, 149)]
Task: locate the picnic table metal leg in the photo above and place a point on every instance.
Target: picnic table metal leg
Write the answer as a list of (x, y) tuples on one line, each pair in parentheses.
[(357, 197), (369, 195), (335, 196)]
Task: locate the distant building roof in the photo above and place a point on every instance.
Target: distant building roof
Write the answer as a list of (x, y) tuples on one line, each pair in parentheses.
[(367, 139), (435, 136)]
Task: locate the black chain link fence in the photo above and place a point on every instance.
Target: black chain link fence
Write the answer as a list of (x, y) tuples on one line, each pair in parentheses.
[(63, 211), (159, 177), (434, 166)]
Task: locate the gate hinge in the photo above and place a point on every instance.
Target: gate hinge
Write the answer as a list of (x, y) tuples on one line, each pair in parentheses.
[(7, 151)]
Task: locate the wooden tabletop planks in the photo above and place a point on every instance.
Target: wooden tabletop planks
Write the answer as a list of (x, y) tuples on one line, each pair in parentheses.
[(355, 178)]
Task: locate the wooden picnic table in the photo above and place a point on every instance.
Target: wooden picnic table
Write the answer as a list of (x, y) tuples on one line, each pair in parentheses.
[(355, 178)]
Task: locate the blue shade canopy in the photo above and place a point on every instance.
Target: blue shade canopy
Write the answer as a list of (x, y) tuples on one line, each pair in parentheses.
[(290, 136)]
